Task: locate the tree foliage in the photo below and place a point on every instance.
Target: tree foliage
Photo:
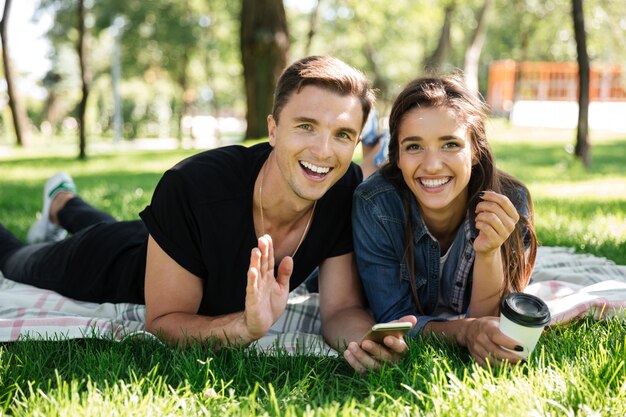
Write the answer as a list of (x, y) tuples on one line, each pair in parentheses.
[(184, 56)]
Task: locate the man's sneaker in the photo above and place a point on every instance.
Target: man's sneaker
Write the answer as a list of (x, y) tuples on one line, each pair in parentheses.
[(43, 230)]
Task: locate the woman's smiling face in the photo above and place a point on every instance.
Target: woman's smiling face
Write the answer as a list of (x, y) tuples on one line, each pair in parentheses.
[(435, 157)]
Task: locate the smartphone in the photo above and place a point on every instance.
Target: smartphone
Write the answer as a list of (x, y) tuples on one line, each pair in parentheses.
[(378, 331)]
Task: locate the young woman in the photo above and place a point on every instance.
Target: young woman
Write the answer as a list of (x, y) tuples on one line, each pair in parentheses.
[(439, 232)]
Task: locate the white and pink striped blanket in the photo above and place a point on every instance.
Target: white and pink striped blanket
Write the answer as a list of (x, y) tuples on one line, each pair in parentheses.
[(572, 284), (575, 285)]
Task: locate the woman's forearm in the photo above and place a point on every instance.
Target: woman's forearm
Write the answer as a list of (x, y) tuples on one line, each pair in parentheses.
[(488, 285)]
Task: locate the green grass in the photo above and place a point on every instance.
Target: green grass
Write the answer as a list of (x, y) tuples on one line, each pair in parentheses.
[(576, 370), (584, 209)]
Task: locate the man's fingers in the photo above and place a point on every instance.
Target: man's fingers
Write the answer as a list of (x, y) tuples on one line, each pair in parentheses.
[(255, 258), (270, 254), (284, 271), (253, 270), (264, 248)]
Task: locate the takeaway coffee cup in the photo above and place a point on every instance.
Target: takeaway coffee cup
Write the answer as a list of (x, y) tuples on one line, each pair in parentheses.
[(523, 317)]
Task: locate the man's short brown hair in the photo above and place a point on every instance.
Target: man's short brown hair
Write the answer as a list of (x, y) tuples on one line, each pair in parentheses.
[(324, 72)]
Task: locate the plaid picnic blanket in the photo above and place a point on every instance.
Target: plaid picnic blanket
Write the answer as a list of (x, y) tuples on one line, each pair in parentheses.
[(27, 311), (34, 313), (572, 285)]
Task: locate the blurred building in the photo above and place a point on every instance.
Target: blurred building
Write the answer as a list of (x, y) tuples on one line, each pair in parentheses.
[(545, 94)]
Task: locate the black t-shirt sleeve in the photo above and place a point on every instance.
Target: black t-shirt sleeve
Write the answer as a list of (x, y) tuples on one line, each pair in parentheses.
[(171, 221)]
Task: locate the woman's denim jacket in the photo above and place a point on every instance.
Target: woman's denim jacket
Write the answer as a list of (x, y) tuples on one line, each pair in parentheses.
[(378, 220)]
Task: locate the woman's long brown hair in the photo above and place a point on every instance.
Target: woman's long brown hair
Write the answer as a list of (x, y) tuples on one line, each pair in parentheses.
[(451, 93)]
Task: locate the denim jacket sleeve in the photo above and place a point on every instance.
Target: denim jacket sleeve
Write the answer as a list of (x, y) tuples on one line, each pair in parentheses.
[(377, 226)]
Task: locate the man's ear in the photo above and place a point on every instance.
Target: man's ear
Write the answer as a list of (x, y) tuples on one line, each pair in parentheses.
[(271, 129)]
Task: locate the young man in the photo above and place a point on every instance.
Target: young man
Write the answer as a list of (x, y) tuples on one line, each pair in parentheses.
[(229, 231)]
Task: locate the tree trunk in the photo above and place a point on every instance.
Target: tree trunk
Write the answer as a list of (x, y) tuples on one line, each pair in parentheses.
[(472, 54), (264, 48), (379, 81), (312, 28), (435, 62), (582, 136), (17, 111), (85, 78)]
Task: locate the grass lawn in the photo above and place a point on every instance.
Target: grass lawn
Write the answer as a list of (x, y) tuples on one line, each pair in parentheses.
[(576, 370)]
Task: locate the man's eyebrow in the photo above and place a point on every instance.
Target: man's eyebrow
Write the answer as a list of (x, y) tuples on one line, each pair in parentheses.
[(348, 130), (304, 119)]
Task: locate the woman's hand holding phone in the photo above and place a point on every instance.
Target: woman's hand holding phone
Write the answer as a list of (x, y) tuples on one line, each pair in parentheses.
[(396, 328), (371, 354)]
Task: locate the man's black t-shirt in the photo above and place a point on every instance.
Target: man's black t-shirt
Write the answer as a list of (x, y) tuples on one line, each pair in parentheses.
[(201, 216)]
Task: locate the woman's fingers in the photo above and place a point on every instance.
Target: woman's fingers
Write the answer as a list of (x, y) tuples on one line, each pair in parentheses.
[(359, 359), (496, 218), (496, 202)]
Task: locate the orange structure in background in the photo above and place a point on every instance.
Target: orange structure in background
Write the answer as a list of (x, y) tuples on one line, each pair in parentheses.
[(510, 81)]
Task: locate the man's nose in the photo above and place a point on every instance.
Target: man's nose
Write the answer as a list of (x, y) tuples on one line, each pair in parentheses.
[(322, 147)]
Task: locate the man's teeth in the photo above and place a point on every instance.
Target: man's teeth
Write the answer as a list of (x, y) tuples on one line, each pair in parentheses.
[(316, 169), (434, 183)]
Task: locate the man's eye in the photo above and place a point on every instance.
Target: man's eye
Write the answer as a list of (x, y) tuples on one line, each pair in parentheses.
[(344, 135), (305, 126)]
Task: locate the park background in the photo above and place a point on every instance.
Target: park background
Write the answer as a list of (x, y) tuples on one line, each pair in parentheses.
[(202, 72), (168, 78)]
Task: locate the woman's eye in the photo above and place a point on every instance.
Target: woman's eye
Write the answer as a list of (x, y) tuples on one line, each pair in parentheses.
[(451, 145), (413, 147)]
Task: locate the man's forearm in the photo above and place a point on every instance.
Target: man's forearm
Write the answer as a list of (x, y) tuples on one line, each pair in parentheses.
[(345, 326), (185, 328)]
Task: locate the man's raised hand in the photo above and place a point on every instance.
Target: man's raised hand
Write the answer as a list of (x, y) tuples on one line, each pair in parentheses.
[(266, 296)]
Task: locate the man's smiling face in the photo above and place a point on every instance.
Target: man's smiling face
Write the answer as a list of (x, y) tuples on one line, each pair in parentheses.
[(314, 140)]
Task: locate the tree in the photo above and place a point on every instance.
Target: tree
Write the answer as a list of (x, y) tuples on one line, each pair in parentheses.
[(582, 134), (70, 28), (312, 27), (436, 61), (472, 53), (264, 48), (17, 111), (85, 77), (188, 47)]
